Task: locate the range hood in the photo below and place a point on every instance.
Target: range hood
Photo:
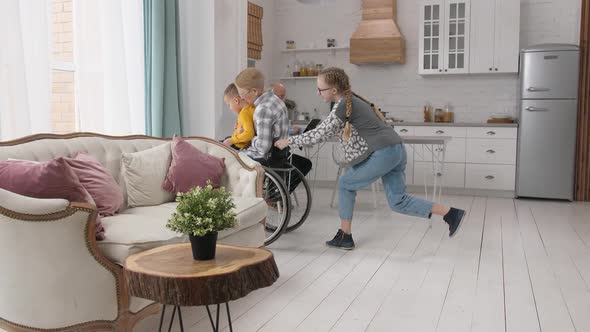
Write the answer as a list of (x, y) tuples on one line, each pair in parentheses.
[(377, 39)]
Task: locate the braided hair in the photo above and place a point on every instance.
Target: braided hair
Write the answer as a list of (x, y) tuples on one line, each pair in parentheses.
[(337, 78)]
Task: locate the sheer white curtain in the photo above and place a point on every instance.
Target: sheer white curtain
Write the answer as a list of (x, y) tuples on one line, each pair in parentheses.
[(25, 67), (109, 54)]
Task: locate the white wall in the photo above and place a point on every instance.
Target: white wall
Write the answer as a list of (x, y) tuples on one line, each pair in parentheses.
[(197, 66), (398, 88), (213, 36), (550, 21), (230, 56), (268, 38)]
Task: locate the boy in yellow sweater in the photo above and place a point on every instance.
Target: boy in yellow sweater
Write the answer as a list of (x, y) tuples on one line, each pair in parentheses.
[(244, 128)]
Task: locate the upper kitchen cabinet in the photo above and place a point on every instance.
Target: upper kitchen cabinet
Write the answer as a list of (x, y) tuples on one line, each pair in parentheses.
[(469, 36), (444, 37), (494, 38), (431, 36)]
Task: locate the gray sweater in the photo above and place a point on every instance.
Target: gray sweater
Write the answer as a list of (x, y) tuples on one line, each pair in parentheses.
[(368, 132)]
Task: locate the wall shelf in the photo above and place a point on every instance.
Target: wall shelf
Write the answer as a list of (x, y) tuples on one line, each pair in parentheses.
[(323, 49)]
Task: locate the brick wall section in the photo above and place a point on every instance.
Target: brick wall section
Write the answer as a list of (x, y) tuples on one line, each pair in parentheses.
[(62, 30), (63, 114)]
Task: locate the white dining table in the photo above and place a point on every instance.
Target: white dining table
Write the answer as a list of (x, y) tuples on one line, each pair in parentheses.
[(436, 147)]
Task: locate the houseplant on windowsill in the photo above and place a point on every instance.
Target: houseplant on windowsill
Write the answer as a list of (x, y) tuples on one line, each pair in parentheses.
[(201, 213)]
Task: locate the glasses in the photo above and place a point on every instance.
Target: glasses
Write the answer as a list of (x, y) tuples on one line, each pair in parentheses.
[(322, 90)]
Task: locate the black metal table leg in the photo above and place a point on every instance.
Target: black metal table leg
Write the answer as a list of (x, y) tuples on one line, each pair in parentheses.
[(210, 318), (228, 317), (180, 319), (217, 320), (162, 317), (172, 319), (215, 325)]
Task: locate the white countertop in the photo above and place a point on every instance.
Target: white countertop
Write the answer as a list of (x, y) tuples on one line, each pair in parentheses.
[(454, 124), (432, 124)]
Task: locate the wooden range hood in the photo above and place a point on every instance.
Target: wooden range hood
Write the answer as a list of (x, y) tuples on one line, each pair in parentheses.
[(377, 39)]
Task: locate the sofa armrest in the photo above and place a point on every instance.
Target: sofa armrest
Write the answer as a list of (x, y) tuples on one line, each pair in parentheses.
[(54, 275), (29, 205), (244, 176)]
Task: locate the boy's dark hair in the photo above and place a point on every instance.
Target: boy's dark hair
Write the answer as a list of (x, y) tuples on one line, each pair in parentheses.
[(231, 91)]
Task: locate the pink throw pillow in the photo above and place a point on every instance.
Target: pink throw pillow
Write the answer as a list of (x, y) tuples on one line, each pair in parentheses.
[(190, 167), (50, 179), (98, 182)]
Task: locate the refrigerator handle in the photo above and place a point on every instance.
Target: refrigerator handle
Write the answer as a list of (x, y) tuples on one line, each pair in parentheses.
[(535, 109), (533, 89)]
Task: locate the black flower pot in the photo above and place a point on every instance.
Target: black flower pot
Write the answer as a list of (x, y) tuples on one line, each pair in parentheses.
[(203, 246)]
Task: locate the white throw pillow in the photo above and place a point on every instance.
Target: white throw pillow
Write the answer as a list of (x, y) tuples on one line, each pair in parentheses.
[(144, 173)]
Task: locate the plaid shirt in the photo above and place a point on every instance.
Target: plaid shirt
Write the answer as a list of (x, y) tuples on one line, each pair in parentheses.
[(271, 123)]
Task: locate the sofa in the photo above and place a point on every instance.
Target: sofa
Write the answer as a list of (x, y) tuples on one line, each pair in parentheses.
[(57, 277)]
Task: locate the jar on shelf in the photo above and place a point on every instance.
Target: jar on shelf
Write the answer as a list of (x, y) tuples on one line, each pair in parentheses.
[(296, 69), (303, 70), (290, 44), (448, 115), (311, 70), (427, 114), (439, 115)]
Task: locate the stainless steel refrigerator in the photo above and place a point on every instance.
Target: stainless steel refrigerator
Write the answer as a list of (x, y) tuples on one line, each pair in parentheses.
[(547, 130)]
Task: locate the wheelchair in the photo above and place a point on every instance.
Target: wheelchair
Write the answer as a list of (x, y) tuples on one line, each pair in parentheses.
[(286, 193)]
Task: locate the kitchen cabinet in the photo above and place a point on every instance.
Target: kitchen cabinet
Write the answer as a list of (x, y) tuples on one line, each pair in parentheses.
[(453, 175), (490, 177), (468, 36), (494, 36), (455, 148), (444, 37), (431, 37), (491, 158), (477, 158)]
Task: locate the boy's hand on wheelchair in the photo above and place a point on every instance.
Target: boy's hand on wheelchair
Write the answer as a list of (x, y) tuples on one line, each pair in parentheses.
[(282, 143), (227, 142)]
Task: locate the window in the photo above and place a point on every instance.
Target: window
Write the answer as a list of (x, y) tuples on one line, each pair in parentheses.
[(63, 98)]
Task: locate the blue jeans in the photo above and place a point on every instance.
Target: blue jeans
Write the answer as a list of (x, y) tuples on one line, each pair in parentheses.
[(389, 164)]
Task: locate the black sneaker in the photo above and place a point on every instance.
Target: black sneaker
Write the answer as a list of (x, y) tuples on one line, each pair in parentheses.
[(454, 218), (341, 241)]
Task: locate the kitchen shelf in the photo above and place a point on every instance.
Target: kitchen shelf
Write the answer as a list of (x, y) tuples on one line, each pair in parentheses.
[(297, 78), (315, 49)]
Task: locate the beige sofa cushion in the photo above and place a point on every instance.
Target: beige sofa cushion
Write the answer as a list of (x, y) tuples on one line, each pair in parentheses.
[(142, 228), (237, 179), (144, 173)]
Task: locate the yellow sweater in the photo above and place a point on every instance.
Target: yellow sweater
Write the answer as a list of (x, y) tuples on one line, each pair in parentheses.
[(246, 122)]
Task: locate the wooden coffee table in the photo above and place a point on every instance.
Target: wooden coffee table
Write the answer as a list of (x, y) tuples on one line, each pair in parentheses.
[(169, 275)]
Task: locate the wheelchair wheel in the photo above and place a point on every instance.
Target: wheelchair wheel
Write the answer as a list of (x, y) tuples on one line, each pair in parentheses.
[(300, 201), (279, 206)]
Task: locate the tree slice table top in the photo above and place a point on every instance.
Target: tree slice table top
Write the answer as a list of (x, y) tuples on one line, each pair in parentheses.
[(170, 275)]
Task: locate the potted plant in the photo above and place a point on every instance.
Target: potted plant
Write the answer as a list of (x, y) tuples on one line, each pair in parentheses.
[(201, 213)]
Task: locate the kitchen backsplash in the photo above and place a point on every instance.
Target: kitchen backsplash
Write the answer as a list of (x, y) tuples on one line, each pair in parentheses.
[(398, 89)]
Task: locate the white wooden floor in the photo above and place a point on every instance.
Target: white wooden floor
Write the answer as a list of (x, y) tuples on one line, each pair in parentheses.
[(516, 265)]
